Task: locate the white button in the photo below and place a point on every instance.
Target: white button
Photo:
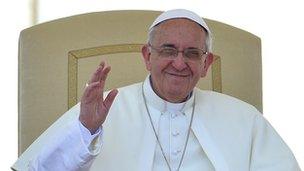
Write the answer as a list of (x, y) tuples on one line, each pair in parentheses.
[(175, 133), (176, 152), (174, 115)]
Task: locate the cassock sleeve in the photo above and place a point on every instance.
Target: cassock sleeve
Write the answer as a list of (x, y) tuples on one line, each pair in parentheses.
[(269, 152), (62, 147)]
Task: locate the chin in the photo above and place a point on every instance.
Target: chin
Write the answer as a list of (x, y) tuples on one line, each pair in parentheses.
[(178, 80), (177, 93)]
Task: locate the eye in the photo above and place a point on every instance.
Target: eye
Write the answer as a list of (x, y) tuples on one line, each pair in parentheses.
[(193, 53), (168, 52)]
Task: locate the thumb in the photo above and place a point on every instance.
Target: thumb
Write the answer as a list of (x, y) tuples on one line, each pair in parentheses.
[(107, 103)]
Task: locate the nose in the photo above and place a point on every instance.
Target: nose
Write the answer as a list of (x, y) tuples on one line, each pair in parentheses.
[(179, 62)]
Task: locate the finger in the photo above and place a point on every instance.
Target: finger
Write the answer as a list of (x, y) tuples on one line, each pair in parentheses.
[(107, 103), (102, 63), (92, 91), (103, 77), (104, 73), (96, 75), (100, 73)]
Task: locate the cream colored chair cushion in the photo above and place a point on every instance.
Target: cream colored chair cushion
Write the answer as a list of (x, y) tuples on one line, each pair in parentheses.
[(57, 58)]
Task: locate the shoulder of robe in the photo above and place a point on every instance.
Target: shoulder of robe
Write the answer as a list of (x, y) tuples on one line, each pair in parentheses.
[(225, 105), (127, 90), (127, 102)]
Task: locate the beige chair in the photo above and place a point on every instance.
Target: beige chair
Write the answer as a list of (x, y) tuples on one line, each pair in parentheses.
[(57, 58)]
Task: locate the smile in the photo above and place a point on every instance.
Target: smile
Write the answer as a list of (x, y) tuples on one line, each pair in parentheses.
[(178, 75)]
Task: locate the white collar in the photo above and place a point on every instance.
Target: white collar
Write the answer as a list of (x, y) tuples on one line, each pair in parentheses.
[(162, 105)]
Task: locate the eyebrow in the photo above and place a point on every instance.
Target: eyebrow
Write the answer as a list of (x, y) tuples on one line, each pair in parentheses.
[(168, 45), (173, 46)]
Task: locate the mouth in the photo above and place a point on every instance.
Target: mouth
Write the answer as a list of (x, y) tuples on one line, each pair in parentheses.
[(178, 74)]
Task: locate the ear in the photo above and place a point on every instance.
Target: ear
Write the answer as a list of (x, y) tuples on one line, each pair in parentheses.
[(146, 54), (207, 63)]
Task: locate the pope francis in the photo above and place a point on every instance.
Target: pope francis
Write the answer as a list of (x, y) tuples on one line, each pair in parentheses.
[(163, 123)]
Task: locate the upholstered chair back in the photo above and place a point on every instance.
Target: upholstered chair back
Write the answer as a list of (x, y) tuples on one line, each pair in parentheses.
[(57, 58)]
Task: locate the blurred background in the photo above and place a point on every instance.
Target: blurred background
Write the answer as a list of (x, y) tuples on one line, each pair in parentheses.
[(278, 23)]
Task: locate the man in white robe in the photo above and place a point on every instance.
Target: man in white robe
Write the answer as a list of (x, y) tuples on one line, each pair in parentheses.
[(164, 123)]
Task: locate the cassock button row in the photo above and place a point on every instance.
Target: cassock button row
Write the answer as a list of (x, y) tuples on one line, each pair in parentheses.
[(174, 115), (175, 133), (176, 152)]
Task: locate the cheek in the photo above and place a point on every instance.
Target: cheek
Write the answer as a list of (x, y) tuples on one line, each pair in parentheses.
[(197, 70), (158, 65), (203, 72), (151, 62), (148, 65)]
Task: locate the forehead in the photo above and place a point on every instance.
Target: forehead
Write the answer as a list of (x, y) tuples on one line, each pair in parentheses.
[(180, 32)]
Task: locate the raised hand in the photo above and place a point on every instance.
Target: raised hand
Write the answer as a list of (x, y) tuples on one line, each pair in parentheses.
[(93, 109)]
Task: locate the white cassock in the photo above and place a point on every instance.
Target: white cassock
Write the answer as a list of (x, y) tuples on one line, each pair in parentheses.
[(226, 135)]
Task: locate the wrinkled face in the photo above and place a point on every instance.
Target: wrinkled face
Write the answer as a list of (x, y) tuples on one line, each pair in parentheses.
[(173, 79)]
